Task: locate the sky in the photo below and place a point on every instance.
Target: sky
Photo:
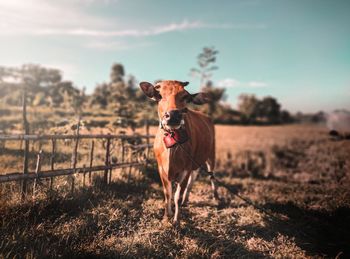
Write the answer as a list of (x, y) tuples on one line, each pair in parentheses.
[(295, 50)]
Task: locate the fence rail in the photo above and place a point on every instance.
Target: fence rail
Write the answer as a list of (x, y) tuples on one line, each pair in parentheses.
[(60, 172), (81, 136)]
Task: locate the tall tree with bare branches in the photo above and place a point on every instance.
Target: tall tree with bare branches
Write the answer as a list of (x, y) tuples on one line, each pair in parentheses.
[(205, 60)]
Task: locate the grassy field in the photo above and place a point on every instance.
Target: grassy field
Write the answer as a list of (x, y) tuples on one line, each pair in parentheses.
[(297, 174)]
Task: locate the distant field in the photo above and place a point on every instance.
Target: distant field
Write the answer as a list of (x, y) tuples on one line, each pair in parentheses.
[(296, 172)]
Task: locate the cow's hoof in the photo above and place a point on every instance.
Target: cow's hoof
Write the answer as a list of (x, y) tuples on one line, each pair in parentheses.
[(176, 223), (216, 196), (165, 219)]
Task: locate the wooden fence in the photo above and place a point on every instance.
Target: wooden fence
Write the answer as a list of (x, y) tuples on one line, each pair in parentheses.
[(140, 156), (25, 175)]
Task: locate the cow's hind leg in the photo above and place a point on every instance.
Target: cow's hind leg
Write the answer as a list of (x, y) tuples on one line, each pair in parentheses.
[(213, 181), (188, 189)]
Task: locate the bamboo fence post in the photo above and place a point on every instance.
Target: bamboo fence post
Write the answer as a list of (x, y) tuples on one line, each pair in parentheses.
[(130, 159), (123, 150), (110, 174), (84, 174), (109, 163), (129, 174), (37, 170), (40, 144), (107, 160), (52, 160), (123, 155), (26, 145), (91, 158), (75, 157), (147, 141)]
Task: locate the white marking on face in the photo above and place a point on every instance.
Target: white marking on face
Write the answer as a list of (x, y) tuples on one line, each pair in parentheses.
[(168, 127)]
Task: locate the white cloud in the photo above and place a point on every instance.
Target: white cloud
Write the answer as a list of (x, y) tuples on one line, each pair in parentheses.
[(234, 83), (184, 25), (29, 17), (115, 45), (257, 84), (69, 71), (166, 28), (74, 18), (229, 83), (91, 2)]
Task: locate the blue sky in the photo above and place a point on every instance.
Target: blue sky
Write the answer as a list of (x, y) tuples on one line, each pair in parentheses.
[(297, 50)]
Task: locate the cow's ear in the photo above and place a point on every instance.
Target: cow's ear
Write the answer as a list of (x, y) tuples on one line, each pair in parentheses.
[(200, 98), (150, 91), (184, 83)]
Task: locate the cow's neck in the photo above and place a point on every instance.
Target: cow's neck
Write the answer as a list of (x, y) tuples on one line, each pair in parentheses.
[(176, 160)]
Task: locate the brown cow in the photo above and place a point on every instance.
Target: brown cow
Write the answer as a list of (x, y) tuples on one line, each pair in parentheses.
[(191, 128)]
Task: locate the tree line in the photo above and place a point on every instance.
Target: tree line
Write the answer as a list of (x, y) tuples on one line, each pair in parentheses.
[(120, 95)]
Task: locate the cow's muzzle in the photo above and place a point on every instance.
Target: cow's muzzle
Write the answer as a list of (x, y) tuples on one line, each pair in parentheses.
[(173, 119)]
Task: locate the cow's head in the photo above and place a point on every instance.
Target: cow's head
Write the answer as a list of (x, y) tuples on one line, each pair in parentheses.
[(172, 99)]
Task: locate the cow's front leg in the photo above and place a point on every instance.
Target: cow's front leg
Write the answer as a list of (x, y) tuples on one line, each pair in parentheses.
[(180, 188), (168, 196)]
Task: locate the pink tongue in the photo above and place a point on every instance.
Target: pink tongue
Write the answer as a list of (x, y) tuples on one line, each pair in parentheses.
[(175, 137), (169, 141)]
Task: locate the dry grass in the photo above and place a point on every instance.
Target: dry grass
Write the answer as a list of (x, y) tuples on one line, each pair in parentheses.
[(297, 173)]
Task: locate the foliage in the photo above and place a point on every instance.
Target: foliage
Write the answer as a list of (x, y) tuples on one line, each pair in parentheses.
[(248, 106), (269, 108), (206, 65), (122, 100), (123, 97), (101, 96), (264, 111), (216, 95), (205, 61), (44, 86)]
